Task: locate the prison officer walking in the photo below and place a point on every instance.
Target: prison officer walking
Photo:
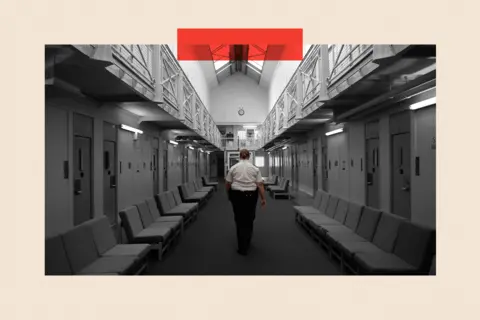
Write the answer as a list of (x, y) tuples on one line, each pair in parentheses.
[(244, 183)]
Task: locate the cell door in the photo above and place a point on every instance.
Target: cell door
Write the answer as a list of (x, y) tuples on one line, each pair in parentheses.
[(206, 164), (165, 169), (401, 175), (156, 183), (82, 179), (197, 164), (297, 175), (325, 168), (314, 165), (185, 165), (292, 165), (110, 183), (373, 178)]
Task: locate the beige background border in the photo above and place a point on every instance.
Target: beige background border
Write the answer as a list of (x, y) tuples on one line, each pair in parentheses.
[(26, 294)]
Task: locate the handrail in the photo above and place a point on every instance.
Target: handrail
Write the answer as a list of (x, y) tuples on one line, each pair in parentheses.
[(169, 51), (337, 63), (338, 69), (212, 134), (309, 52), (117, 48)]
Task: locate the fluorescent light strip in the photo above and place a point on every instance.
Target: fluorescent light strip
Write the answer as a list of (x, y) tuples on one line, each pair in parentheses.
[(250, 127), (172, 142), (284, 148), (334, 132), (128, 128), (423, 104), (200, 150), (190, 147)]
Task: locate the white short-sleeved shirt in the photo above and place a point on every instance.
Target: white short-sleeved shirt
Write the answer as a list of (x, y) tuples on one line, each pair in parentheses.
[(244, 176)]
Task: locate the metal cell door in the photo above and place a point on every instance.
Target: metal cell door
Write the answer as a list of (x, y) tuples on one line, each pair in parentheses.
[(110, 183), (165, 170), (325, 168), (373, 181), (82, 180), (401, 175), (314, 165), (154, 167)]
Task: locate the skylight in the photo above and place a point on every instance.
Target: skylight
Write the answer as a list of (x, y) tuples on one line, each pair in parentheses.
[(220, 55), (219, 64), (256, 55)]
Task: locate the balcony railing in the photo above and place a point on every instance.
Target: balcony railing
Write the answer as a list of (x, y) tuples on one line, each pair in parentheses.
[(239, 143), (341, 58), (157, 67), (321, 67), (138, 58)]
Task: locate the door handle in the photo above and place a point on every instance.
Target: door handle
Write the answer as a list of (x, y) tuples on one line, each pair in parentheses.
[(78, 187)]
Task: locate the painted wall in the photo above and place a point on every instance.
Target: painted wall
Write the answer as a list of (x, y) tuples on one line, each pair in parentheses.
[(282, 74), (175, 166), (237, 91), (424, 185), (201, 75), (385, 161), (60, 108), (356, 135), (264, 168), (305, 170), (346, 153), (134, 184)]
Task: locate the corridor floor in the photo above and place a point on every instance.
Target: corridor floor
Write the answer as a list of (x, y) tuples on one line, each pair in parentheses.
[(279, 246)]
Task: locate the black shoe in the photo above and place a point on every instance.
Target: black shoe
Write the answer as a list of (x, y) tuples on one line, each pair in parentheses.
[(242, 252)]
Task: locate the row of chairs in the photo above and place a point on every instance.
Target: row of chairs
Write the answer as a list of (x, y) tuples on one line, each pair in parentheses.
[(278, 187), (155, 224), (367, 240)]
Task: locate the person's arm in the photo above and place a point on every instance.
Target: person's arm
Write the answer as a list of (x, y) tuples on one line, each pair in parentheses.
[(261, 189), (228, 180)]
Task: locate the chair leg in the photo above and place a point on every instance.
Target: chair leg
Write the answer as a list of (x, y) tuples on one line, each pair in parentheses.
[(160, 251)]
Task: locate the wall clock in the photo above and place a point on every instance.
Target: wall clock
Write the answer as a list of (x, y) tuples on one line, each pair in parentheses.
[(241, 112)]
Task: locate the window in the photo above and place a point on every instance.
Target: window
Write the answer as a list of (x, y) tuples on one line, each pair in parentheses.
[(221, 56), (259, 162)]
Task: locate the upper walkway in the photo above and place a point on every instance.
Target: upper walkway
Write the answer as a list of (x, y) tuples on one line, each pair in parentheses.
[(332, 83)]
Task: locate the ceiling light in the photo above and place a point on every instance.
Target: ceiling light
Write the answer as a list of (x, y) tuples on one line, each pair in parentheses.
[(191, 148), (423, 104), (172, 142), (284, 148), (128, 128), (334, 132)]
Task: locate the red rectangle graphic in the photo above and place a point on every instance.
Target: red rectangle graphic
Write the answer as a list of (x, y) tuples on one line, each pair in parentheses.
[(232, 44)]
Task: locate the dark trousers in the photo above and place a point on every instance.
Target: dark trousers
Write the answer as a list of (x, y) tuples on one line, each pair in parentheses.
[(244, 206)]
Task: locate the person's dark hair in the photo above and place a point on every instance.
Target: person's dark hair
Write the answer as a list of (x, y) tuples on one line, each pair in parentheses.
[(244, 154)]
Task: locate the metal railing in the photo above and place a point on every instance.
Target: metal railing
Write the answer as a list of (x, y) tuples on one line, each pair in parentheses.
[(314, 75), (177, 93), (342, 58), (236, 143), (138, 58)]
